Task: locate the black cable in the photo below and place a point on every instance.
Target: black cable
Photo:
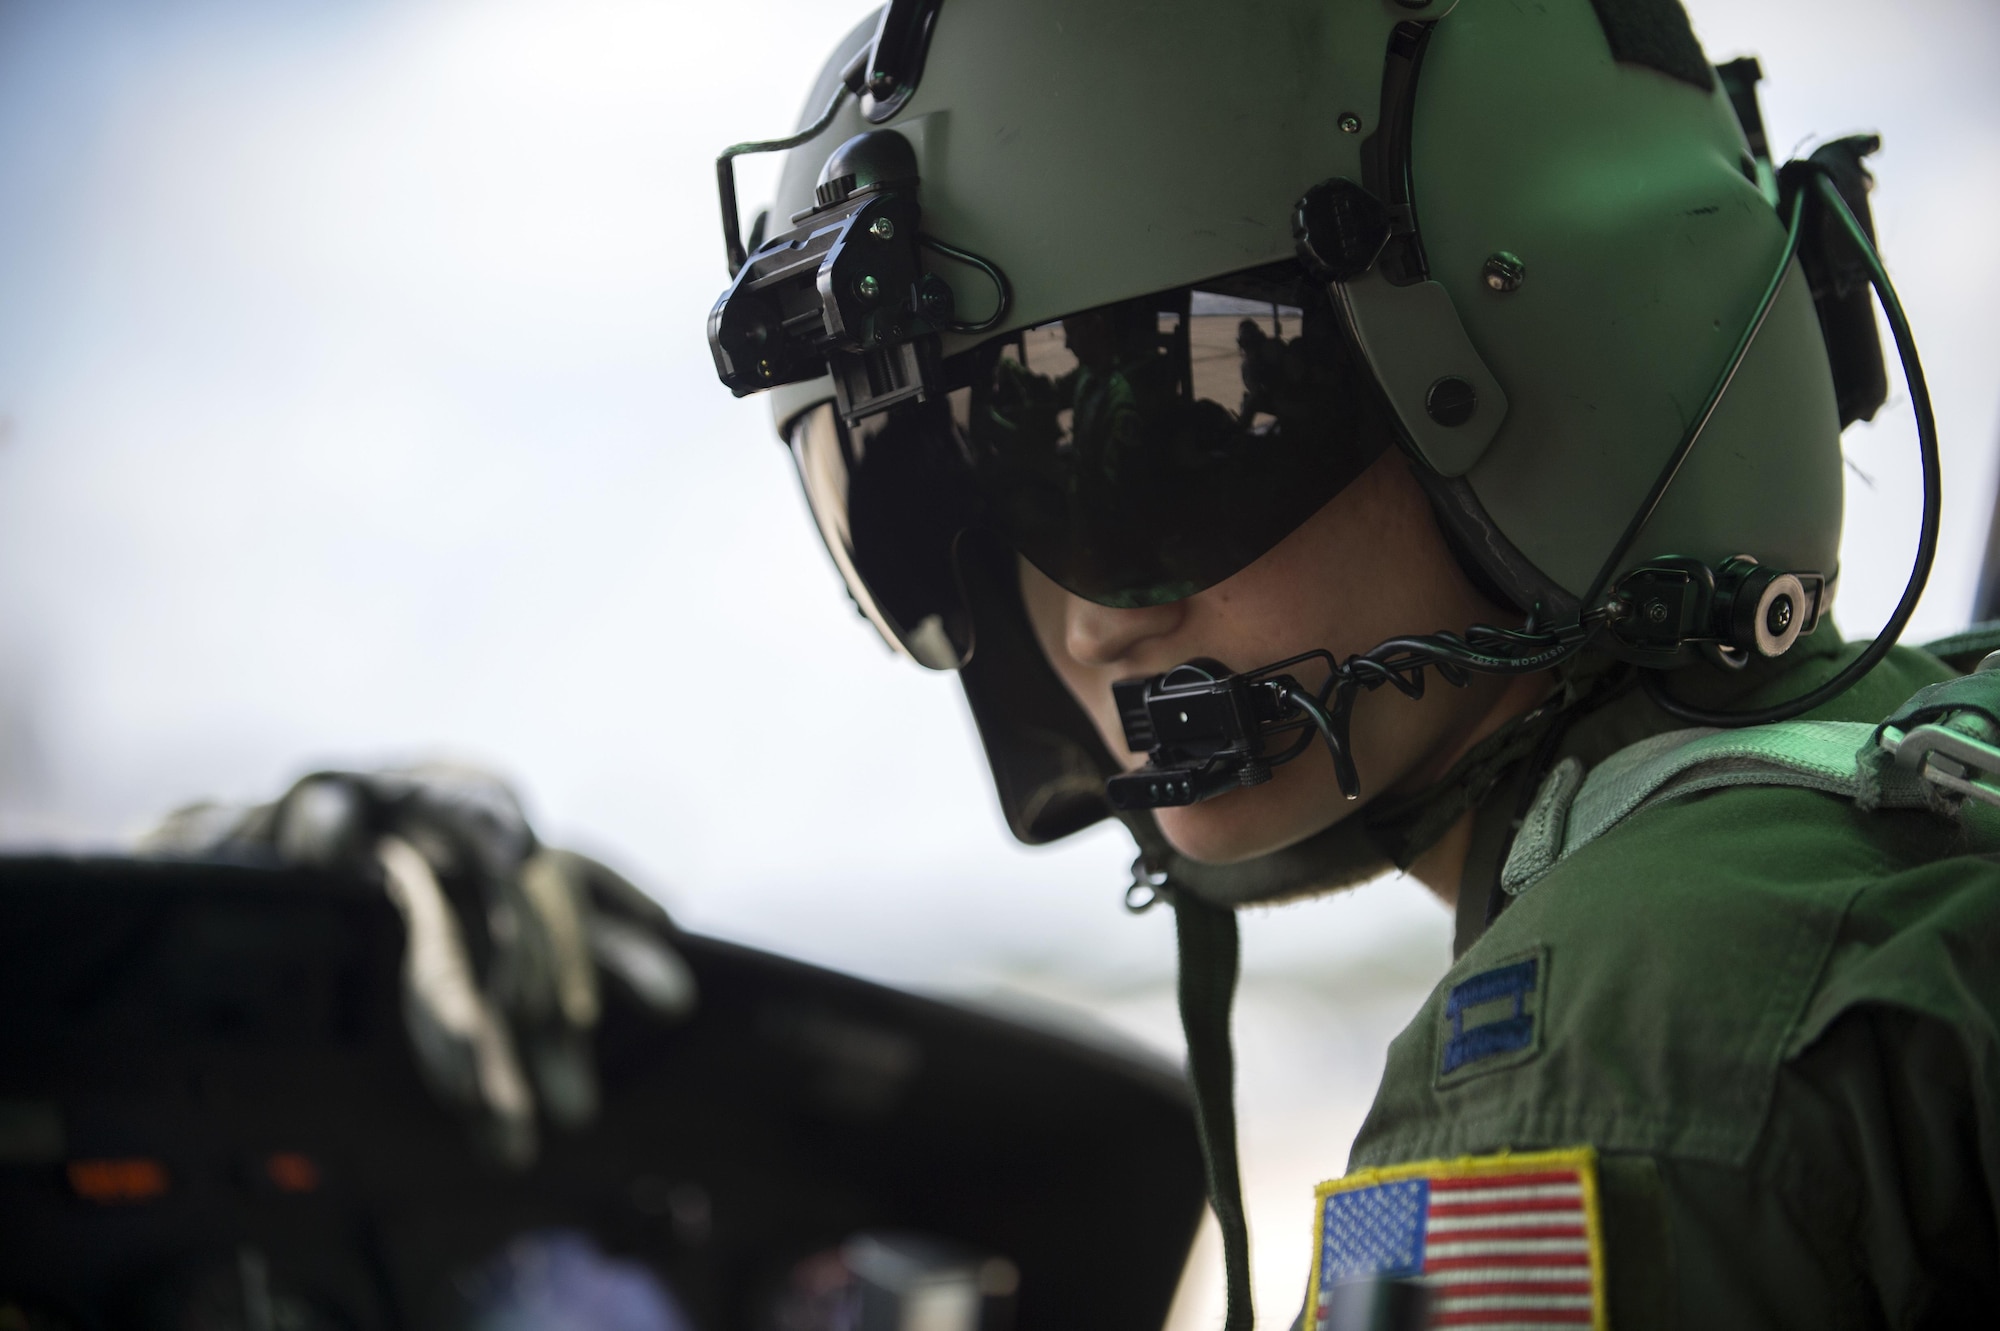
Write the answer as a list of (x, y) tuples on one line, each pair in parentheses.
[(1793, 230), (725, 166), (1401, 662), (1927, 446), (993, 274), (1299, 745), (1331, 726)]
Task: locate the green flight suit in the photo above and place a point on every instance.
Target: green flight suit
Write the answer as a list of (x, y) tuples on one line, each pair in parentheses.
[(1775, 1017)]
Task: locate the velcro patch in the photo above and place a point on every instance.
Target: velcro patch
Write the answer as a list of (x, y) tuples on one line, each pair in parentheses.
[(1492, 1020), (1499, 1241)]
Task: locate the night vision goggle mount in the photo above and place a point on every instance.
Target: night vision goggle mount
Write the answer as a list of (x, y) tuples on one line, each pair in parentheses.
[(845, 290)]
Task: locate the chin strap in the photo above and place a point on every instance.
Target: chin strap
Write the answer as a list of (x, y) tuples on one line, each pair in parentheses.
[(1210, 959), (1404, 828)]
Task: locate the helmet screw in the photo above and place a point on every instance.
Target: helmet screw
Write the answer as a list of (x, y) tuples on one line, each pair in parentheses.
[(1656, 611), (1504, 271), (882, 229), (1349, 123), (1779, 617), (868, 288), (1451, 401)]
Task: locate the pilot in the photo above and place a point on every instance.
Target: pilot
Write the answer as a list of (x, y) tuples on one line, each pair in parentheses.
[(1453, 390)]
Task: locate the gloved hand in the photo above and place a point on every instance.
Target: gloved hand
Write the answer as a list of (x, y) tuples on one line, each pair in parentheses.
[(506, 937)]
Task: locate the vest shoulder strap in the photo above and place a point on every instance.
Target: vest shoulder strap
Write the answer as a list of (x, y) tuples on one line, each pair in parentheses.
[(1939, 748)]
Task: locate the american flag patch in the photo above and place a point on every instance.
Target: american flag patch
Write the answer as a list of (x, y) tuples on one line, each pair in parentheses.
[(1504, 1242)]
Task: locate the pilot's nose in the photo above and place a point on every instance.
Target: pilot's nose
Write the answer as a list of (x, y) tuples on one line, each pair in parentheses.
[(1099, 635)]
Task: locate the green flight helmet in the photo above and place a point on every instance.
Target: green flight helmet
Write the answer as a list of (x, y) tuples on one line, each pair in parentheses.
[(1539, 232)]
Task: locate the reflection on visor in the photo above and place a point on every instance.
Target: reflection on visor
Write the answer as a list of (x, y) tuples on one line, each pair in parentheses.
[(890, 505), (1141, 452), (1136, 453)]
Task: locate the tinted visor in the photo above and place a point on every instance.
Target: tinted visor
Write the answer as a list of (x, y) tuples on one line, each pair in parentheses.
[(1136, 453)]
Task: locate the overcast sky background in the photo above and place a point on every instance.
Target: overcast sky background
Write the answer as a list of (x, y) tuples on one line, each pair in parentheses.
[(355, 407)]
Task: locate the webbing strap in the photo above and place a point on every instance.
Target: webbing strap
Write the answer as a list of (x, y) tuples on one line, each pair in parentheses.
[(1571, 810), (1210, 959)]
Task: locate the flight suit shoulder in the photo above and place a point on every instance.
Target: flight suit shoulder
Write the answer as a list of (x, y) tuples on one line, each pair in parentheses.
[(1732, 1054), (1643, 994)]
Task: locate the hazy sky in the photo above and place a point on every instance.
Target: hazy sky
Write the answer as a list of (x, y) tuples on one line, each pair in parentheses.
[(357, 407)]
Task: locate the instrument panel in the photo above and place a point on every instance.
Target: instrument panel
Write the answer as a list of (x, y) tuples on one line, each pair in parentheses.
[(210, 1118)]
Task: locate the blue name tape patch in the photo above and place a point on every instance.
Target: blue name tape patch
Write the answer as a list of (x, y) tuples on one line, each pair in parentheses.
[(1493, 1019)]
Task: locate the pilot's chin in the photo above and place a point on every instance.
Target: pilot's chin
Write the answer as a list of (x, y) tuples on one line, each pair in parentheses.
[(1297, 802)]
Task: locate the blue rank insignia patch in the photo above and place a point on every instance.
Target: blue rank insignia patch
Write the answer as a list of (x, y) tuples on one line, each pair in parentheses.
[(1496, 1241), (1492, 1020)]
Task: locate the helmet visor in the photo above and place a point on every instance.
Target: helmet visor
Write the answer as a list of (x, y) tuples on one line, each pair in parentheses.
[(1136, 453)]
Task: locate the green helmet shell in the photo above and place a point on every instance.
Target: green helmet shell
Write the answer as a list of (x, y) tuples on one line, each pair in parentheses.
[(1095, 155), (1100, 151)]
